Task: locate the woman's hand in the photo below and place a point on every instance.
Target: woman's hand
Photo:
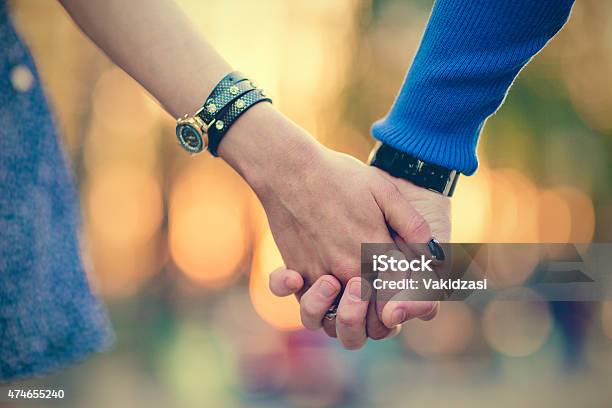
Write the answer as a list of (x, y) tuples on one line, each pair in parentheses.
[(321, 205)]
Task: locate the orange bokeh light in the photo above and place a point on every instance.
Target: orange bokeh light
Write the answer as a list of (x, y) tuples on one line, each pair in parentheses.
[(124, 204), (123, 106), (207, 234), (121, 270), (124, 211), (471, 208), (554, 218), (583, 214), (281, 313), (513, 208)]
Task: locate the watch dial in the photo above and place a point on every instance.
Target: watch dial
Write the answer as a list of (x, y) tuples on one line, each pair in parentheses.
[(189, 138)]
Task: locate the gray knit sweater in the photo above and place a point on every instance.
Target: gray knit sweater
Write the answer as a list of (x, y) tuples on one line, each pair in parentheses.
[(48, 315)]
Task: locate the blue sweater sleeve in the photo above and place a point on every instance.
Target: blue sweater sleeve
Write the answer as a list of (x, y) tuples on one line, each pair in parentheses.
[(469, 55)]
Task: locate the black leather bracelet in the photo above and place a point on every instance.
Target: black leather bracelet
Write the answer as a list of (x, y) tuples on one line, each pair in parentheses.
[(427, 175), (227, 118), (231, 97), (231, 87), (191, 131)]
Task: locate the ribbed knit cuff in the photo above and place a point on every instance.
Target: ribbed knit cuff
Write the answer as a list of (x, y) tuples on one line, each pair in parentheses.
[(454, 151)]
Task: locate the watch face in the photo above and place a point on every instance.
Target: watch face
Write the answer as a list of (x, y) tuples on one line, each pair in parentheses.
[(190, 138)]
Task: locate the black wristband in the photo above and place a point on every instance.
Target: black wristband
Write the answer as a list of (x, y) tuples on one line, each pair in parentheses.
[(231, 97), (427, 175), (227, 118), (228, 89)]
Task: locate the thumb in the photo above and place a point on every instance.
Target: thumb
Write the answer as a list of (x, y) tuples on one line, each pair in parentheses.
[(284, 282), (400, 311)]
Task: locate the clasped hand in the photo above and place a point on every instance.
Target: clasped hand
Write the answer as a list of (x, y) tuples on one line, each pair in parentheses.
[(321, 205)]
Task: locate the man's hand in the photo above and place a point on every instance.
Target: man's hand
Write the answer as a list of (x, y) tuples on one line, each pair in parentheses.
[(321, 205), (351, 315)]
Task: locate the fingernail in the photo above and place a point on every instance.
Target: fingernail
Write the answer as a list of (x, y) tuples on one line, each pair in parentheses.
[(398, 316), (291, 284), (327, 289), (355, 290), (435, 249)]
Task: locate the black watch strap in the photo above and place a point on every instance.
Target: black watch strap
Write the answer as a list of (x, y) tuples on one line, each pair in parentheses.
[(227, 118), (427, 175), (231, 86)]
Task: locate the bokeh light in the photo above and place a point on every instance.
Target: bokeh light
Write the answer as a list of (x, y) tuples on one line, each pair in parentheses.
[(120, 270), (472, 198), (208, 231), (514, 205), (516, 329), (282, 313), (583, 214), (449, 333), (509, 265), (124, 213), (124, 204), (193, 349), (123, 106), (554, 217)]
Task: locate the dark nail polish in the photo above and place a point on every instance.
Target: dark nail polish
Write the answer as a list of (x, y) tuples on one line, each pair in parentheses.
[(436, 250)]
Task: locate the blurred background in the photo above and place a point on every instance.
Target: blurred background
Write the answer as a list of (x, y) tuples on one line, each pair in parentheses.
[(180, 250)]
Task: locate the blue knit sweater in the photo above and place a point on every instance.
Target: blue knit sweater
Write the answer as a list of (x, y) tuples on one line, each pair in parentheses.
[(469, 55)]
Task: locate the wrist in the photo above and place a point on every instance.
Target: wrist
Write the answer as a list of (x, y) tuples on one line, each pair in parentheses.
[(264, 147)]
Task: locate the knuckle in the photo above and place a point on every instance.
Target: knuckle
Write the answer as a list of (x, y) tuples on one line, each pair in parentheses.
[(349, 320), (417, 225), (345, 268), (309, 310), (390, 191)]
